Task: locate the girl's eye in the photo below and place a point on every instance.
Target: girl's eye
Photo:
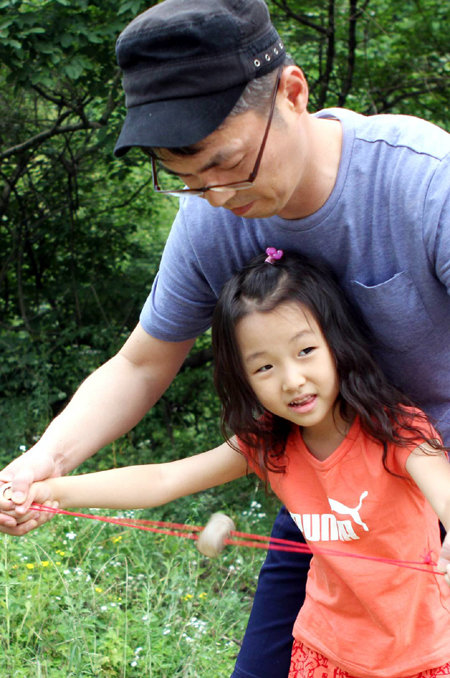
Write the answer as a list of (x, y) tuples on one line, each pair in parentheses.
[(305, 351), (264, 368)]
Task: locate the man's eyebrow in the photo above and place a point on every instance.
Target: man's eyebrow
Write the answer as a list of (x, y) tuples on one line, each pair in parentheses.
[(219, 158), (171, 172)]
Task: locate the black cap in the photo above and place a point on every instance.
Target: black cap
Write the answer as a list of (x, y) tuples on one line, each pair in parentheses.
[(185, 64)]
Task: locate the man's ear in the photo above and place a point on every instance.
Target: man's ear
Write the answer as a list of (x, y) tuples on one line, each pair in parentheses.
[(294, 87)]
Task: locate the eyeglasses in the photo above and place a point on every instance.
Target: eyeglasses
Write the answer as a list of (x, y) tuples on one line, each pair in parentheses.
[(235, 186)]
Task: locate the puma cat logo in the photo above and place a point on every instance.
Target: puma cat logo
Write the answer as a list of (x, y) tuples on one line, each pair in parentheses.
[(337, 507), (326, 527)]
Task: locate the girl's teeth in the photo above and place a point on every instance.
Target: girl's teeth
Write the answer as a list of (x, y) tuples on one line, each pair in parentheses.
[(302, 401)]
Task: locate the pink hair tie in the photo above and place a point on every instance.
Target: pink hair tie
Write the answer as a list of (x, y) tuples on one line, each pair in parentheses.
[(273, 255)]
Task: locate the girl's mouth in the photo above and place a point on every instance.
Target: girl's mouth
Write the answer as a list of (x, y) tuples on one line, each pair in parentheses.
[(304, 404)]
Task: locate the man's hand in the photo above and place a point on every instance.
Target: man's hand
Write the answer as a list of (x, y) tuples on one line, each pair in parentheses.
[(108, 403), (444, 558), (15, 515)]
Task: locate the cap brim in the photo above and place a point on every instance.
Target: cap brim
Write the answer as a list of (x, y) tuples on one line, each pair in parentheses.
[(177, 122)]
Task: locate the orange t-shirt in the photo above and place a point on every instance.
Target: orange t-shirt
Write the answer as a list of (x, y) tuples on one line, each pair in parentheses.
[(371, 618)]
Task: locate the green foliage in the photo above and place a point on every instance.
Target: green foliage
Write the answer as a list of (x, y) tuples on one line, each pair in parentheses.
[(375, 56), (80, 238), (74, 38), (81, 598)]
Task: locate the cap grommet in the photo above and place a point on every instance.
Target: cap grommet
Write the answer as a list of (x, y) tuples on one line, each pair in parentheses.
[(267, 57), (257, 63)]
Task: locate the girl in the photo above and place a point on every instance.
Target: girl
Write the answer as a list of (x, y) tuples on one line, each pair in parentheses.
[(361, 471)]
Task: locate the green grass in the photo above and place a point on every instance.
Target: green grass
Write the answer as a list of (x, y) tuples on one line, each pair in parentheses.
[(83, 598)]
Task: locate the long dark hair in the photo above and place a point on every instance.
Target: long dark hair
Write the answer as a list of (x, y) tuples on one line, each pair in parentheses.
[(364, 390)]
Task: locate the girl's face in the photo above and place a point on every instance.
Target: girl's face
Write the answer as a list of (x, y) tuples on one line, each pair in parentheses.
[(290, 368)]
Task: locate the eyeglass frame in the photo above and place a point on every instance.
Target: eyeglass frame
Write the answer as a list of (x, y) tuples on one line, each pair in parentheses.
[(235, 185)]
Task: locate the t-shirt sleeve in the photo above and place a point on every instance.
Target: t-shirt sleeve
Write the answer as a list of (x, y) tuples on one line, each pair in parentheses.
[(206, 245), (181, 302), (436, 221), (249, 454), (398, 455)]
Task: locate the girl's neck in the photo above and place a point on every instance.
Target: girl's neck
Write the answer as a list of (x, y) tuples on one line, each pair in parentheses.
[(322, 444)]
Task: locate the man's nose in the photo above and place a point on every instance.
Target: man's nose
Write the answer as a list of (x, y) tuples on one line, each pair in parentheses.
[(219, 198)]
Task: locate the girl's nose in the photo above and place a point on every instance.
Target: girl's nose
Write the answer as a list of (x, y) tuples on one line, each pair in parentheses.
[(293, 379)]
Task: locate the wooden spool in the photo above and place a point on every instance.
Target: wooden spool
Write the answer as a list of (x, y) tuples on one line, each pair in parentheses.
[(212, 538)]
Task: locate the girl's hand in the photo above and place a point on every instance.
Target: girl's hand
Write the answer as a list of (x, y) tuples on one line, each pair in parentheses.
[(15, 515), (39, 493), (444, 558)]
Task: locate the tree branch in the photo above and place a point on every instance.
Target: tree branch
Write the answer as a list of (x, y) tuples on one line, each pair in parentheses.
[(351, 43), (47, 134), (329, 64), (198, 359), (10, 182), (300, 18), (111, 103)]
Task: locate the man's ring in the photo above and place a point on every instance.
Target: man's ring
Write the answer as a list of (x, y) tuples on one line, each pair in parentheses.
[(7, 491)]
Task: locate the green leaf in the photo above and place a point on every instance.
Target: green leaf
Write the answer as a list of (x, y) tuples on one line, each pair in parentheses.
[(66, 40)]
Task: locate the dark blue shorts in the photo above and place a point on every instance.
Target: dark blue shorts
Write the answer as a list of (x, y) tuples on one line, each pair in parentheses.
[(267, 645)]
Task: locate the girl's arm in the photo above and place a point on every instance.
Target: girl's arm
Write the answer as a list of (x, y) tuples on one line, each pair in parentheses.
[(431, 473), (145, 485)]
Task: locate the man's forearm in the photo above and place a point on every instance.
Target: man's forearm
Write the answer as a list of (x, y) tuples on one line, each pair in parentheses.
[(108, 404), (111, 401)]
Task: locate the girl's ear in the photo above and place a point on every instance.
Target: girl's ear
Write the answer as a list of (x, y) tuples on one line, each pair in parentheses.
[(294, 88)]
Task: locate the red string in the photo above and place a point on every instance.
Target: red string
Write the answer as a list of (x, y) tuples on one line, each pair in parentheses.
[(239, 538)]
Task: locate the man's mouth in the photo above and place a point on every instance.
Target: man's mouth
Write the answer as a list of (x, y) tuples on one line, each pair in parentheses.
[(243, 209)]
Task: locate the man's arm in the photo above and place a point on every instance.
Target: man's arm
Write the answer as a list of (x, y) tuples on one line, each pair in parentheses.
[(108, 403)]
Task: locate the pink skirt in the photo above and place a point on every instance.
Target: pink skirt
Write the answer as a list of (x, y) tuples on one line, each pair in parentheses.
[(306, 663)]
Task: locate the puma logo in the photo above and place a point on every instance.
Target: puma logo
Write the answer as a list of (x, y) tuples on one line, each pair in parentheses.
[(337, 507), (326, 527)]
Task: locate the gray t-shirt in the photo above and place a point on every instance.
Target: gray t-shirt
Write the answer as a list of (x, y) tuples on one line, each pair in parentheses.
[(384, 230)]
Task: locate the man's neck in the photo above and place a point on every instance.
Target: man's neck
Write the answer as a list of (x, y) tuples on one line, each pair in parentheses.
[(319, 178)]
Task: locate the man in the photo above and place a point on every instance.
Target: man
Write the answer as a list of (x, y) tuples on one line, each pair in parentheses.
[(370, 196)]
